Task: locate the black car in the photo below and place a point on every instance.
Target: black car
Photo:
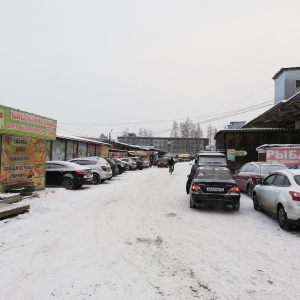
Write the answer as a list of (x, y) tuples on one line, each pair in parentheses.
[(139, 162), (212, 185), (67, 174), (121, 165), (113, 165)]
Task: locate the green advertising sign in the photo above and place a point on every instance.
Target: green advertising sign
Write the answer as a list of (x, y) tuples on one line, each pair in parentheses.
[(17, 122)]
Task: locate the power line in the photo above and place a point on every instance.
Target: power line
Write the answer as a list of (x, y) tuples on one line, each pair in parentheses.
[(214, 117)]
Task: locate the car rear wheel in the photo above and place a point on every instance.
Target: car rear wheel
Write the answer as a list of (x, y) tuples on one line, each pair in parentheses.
[(250, 191), (255, 202), (67, 183), (282, 218), (236, 207), (96, 179), (192, 205)]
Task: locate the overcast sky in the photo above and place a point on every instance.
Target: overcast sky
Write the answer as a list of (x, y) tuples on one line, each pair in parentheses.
[(96, 66)]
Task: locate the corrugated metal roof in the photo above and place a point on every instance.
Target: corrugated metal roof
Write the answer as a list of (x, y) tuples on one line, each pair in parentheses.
[(77, 138), (258, 129)]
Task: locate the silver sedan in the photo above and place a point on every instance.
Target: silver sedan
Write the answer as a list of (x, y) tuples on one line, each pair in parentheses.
[(279, 194)]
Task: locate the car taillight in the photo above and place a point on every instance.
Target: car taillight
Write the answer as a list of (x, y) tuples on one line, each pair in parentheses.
[(80, 172), (234, 189), (295, 196), (196, 188), (103, 168)]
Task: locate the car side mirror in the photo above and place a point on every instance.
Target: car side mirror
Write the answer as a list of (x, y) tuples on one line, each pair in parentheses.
[(196, 161), (258, 181)]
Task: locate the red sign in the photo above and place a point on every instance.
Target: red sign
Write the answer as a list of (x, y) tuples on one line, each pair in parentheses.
[(290, 156)]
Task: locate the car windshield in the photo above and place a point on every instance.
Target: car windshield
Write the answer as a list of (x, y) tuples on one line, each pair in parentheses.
[(270, 169), (212, 173)]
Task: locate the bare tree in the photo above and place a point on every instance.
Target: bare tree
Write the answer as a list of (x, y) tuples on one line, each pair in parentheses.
[(175, 130), (125, 132), (186, 128), (211, 131), (145, 132)]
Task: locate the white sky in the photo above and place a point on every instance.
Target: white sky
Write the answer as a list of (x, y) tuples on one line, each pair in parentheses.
[(117, 62)]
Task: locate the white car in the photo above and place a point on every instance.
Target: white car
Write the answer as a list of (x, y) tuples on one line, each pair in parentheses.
[(100, 167), (279, 194), (131, 163)]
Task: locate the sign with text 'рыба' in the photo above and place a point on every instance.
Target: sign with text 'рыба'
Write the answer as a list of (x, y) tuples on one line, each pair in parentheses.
[(17, 122)]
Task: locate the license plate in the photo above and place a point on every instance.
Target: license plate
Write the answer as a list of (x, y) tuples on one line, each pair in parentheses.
[(214, 189)]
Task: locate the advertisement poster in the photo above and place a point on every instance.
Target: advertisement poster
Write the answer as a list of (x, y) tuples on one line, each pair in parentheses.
[(23, 161), (284, 155), (98, 150), (231, 154), (82, 149), (17, 122), (58, 149), (71, 149), (105, 151), (91, 150)]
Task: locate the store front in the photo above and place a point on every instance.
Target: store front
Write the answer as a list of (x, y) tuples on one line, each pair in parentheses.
[(23, 149)]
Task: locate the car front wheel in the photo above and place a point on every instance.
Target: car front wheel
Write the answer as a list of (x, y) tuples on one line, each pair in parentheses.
[(282, 218), (67, 183), (255, 202)]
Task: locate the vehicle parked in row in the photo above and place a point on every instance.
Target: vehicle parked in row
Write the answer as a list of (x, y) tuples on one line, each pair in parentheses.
[(250, 172), (279, 194), (146, 162), (214, 185), (163, 162), (131, 163), (123, 166), (114, 166), (100, 167), (139, 162), (67, 174)]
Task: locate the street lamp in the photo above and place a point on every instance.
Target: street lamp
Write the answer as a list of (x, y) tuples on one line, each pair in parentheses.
[(109, 135)]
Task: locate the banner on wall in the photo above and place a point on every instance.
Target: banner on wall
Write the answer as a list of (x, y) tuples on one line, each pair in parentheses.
[(17, 122), (23, 161)]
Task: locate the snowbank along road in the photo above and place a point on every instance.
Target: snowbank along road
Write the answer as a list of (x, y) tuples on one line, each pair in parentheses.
[(135, 237)]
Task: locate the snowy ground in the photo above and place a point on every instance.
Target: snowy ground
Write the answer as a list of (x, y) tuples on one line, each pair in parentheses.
[(135, 237)]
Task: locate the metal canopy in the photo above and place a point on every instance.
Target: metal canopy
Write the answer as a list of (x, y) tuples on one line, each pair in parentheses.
[(283, 115)]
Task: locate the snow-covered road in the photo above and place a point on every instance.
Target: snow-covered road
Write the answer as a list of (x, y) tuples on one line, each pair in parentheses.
[(135, 237)]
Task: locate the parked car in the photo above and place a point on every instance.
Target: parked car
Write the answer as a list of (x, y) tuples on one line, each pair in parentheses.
[(139, 162), (123, 166), (131, 163), (279, 194), (247, 176), (163, 162), (211, 185), (146, 162), (100, 167), (113, 165), (67, 174)]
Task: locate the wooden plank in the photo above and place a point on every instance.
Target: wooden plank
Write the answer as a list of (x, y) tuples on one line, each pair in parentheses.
[(7, 210)]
